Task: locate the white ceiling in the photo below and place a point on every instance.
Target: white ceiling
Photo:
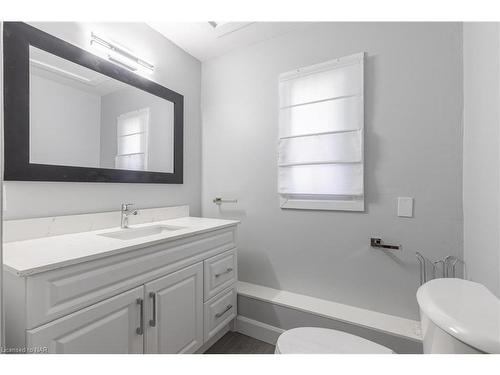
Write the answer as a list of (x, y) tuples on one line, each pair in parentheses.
[(203, 41)]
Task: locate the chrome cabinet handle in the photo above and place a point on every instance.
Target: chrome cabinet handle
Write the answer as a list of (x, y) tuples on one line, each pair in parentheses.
[(140, 329), (152, 322), (228, 307), (223, 273)]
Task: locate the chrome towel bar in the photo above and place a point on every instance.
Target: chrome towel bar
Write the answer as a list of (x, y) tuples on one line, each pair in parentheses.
[(219, 200)]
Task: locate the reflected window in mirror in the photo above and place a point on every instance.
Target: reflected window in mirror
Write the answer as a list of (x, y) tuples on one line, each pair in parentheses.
[(133, 140)]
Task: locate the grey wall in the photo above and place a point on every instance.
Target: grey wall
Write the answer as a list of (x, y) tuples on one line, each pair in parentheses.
[(481, 170), (176, 70), (160, 132), (64, 124), (413, 124)]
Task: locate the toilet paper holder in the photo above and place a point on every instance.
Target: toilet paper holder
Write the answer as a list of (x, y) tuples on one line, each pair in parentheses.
[(378, 243)]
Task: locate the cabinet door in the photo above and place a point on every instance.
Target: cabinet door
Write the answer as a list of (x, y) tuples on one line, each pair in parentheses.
[(110, 326), (174, 312)]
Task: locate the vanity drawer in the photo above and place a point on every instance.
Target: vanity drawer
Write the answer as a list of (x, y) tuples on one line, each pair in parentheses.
[(219, 311), (220, 273)]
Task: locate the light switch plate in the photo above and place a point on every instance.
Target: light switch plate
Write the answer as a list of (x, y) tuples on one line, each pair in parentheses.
[(405, 207)]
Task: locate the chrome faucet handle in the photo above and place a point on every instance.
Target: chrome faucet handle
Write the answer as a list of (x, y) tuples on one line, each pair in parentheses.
[(125, 214), (125, 206)]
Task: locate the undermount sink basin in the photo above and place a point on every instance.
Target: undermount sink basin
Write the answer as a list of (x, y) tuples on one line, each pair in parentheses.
[(133, 233)]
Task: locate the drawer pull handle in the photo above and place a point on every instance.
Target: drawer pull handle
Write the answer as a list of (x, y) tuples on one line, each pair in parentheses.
[(223, 273), (228, 307), (152, 322), (140, 329)]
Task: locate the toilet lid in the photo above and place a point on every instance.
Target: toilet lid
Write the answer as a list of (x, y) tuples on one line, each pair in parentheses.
[(312, 340)]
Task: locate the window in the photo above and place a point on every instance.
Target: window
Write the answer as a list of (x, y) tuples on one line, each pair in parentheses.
[(132, 140), (321, 121)]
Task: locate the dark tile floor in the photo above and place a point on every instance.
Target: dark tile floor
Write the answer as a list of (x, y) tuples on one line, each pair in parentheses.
[(236, 343)]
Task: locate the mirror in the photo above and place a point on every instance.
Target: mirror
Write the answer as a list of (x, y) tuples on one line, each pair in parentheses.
[(73, 116), (79, 117)]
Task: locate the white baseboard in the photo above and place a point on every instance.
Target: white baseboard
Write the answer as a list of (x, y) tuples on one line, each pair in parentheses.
[(258, 330)]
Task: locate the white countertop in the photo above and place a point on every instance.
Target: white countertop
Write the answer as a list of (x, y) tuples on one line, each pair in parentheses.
[(29, 257)]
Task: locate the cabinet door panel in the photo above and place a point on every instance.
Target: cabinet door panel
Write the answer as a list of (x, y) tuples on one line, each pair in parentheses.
[(178, 323), (106, 327)]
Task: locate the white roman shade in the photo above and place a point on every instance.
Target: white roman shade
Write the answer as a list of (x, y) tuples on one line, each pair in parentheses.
[(320, 151), (132, 140)]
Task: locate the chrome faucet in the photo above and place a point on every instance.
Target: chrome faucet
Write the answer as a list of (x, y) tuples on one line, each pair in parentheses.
[(126, 211)]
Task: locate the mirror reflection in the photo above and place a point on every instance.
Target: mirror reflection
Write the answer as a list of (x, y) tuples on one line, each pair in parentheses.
[(79, 117)]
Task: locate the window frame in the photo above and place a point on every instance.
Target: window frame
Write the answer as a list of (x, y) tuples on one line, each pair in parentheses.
[(331, 202)]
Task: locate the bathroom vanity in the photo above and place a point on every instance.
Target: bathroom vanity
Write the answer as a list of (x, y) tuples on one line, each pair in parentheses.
[(161, 287)]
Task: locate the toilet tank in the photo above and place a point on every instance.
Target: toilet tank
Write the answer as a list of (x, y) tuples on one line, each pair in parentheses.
[(458, 316)]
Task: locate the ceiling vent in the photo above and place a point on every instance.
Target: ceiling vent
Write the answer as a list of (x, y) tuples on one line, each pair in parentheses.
[(224, 28)]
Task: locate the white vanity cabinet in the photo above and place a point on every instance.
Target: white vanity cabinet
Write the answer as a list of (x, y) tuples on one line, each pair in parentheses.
[(171, 296)]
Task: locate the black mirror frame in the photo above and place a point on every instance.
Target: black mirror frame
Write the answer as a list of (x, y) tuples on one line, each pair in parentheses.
[(17, 39)]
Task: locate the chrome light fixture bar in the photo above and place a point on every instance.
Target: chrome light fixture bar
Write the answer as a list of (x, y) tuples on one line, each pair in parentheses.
[(121, 56)]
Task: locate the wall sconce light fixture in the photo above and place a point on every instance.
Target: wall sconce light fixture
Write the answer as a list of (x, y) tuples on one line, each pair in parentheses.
[(120, 55)]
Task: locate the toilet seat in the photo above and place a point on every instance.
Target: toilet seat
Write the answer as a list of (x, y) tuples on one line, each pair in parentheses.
[(313, 340)]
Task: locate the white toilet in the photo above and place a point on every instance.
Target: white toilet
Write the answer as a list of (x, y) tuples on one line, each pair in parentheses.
[(313, 340), (459, 316)]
